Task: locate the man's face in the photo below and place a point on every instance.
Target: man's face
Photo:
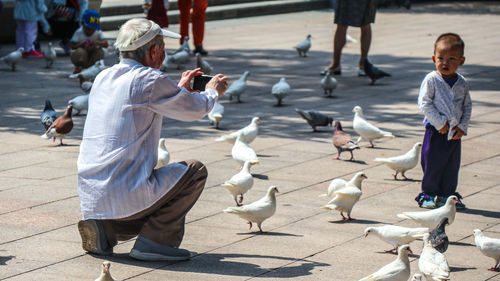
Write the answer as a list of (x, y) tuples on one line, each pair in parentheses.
[(447, 59), (88, 31)]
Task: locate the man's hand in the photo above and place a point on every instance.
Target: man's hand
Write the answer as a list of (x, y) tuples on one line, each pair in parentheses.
[(186, 78), (218, 83), (445, 129), (458, 133)]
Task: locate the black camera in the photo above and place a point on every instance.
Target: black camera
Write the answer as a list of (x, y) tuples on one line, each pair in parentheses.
[(200, 82)]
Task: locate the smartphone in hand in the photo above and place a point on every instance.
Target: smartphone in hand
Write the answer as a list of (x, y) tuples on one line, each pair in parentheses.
[(200, 81)]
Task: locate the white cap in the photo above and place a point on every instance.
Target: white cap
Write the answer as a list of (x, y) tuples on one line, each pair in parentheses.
[(148, 36)]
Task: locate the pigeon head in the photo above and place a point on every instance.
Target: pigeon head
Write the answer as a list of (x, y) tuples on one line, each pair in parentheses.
[(416, 277), (478, 232), (452, 200), (357, 109), (418, 145), (105, 266), (338, 126), (361, 175), (309, 36), (404, 249), (256, 120), (368, 230), (21, 49), (69, 109), (48, 105), (273, 189)]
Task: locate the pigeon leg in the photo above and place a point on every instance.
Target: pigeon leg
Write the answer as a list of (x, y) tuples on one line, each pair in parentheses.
[(396, 176), (241, 199), (392, 251), (60, 139), (343, 218), (236, 200), (279, 102), (403, 174), (239, 101), (352, 156), (260, 228), (372, 144), (359, 139), (230, 97), (250, 223), (350, 219)]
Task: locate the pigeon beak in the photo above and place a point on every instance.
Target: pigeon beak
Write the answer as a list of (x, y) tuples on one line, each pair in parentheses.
[(366, 234), (409, 250), (277, 191)]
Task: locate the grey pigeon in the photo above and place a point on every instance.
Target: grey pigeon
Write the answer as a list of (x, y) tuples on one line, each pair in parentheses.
[(184, 46), (304, 46), (280, 90), (86, 86), (48, 115), (373, 72), (328, 83), (177, 58), (13, 57), (203, 65), (343, 141), (91, 72), (438, 237), (50, 55), (238, 87), (315, 118), (80, 103)]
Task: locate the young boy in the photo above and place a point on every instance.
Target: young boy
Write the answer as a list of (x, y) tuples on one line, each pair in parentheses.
[(445, 101), (87, 41)]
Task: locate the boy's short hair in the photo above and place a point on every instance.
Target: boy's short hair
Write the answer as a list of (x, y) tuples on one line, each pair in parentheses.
[(452, 39)]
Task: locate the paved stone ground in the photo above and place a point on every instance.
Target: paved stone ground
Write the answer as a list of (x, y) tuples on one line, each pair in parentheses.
[(39, 206)]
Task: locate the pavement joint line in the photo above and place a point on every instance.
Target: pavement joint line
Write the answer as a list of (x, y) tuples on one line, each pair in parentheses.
[(49, 179), (41, 267), (36, 234), (38, 205)]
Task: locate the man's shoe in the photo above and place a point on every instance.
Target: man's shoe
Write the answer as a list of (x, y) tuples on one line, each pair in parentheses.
[(333, 71), (147, 250), (199, 49), (93, 237)]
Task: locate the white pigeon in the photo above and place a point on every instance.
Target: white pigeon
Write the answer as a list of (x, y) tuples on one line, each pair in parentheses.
[(248, 133), (347, 196), (110, 51), (242, 152), (91, 72), (280, 90), (328, 83), (215, 115), (50, 55), (489, 247), (303, 46), (13, 58), (432, 218), (258, 211), (203, 65), (238, 87), (80, 103), (334, 185), (105, 274), (396, 235), (240, 183), (177, 58), (432, 263), (397, 270), (417, 277), (366, 130), (163, 154), (402, 163)]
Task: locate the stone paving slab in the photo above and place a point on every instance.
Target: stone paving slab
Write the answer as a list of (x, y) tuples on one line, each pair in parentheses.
[(39, 206)]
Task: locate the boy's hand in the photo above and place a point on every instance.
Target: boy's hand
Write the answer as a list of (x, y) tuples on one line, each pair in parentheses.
[(445, 129), (458, 133)]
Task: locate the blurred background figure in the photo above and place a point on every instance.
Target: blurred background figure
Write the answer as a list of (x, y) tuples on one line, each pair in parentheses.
[(156, 10), (27, 13), (197, 17)]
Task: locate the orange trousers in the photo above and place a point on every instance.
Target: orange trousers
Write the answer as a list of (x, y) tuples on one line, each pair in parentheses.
[(197, 17)]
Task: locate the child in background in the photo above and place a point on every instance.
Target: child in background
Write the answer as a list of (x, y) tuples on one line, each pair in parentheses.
[(26, 14), (445, 101), (87, 41)]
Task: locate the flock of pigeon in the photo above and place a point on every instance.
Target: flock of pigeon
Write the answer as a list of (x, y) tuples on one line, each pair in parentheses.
[(344, 194)]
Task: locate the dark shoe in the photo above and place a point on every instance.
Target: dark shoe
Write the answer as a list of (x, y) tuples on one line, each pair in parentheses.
[(147, 250), (334, 71), (199, 49), (440, 201), (93, 237)]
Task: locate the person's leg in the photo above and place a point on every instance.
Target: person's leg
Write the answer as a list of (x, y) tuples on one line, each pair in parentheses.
[(338, 44), (184, 16), (95, 54), (198, 21), (20, 26), (449, 179), (366, 39), (433, 160), (31, 33), (79, 57)]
